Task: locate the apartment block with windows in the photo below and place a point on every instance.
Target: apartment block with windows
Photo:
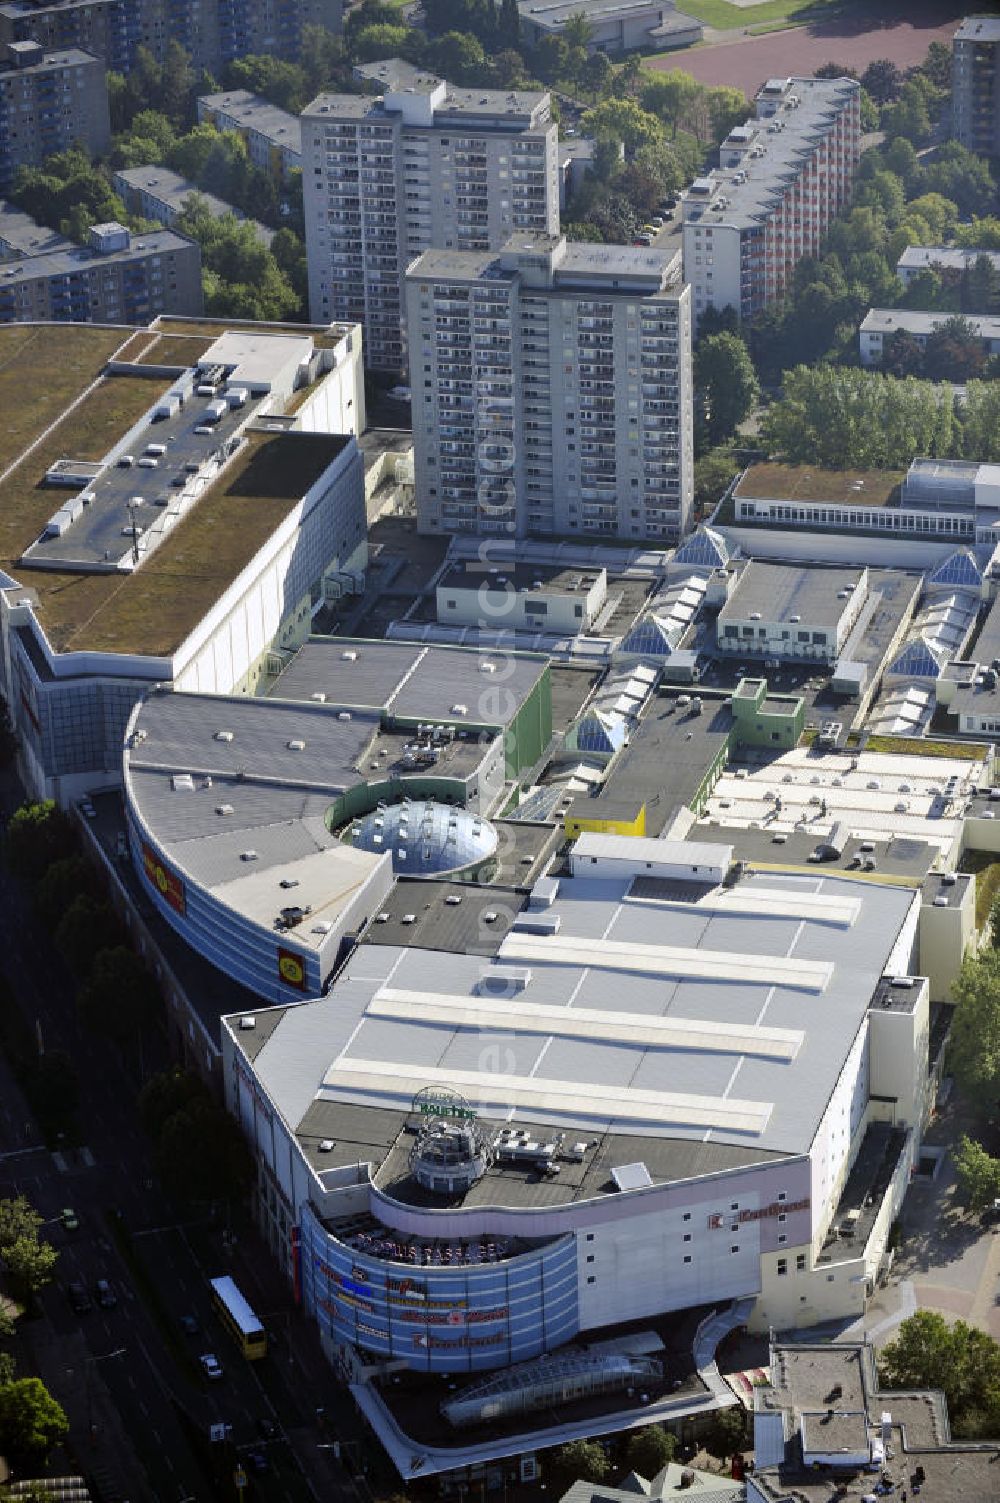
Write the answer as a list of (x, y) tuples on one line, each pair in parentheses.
[(975, 84), (117, 279), (212, 31), (551, 391), (49, 101), (782, 177), (425, 164)]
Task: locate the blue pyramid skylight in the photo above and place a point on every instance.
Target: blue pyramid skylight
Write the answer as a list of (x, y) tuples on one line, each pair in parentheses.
[(704, 548), (959, 569)]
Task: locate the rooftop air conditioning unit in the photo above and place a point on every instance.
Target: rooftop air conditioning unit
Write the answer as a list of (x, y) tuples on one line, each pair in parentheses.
[(224, 736), (247, 1022)]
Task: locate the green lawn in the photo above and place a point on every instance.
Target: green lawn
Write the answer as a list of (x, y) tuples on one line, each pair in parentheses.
[(725, 17)]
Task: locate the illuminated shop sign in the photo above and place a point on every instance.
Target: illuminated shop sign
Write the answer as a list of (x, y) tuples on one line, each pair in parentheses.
[(717, 1219), (430, 1339)]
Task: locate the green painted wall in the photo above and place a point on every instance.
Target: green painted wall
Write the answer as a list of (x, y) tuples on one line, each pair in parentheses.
[(530, 731)]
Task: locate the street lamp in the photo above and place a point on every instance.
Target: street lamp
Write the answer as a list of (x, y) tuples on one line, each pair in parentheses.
[(87, 1364)]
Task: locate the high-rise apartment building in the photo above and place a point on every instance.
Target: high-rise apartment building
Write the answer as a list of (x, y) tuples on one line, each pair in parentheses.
[(423, 165), (782, 177), (49, 101), (975, 84), (551, 390), (212, 31)]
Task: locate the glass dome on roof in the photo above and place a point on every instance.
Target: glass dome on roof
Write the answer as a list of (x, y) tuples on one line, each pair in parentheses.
[(426, 838)]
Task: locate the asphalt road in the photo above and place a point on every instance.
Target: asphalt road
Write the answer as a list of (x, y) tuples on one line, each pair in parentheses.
[(140, 1409)]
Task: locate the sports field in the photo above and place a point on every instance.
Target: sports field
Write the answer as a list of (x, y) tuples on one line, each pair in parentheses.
[(852, 37)]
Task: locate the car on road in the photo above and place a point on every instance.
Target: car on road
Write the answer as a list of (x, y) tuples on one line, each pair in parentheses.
[(69, 1219), (189, 1325), (257, 1462), (105, 1295), (210, 1365), (267, 1429), (76, 1293)]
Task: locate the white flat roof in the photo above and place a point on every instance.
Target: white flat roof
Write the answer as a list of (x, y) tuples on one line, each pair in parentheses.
[(584, 1043), (258, 359), (586, 1023), (903, 804), (659, 852), (390, 1083), (669, 960)]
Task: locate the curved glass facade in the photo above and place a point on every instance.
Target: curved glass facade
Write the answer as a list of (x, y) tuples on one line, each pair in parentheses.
[(461, 1318)]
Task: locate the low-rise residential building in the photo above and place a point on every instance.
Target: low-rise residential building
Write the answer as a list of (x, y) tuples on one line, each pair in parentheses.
[(48, 102), (880, 324), (954, 259), (782, 178), (117, 279), (272, 135), (162, 194), (615, 26), (22, 236)]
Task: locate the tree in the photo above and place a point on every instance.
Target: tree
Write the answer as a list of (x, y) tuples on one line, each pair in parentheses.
[(576, 31), (727, 383), (164, 1094), (509, 24), (937, 65), (974, 1045), (623, 120), (712, 474), (671, 97), (457, 55), (597, 74), (855, 419), (380, 41), (29, 1264), (649, 1450), (983, 233), (902, 355), (953, 351), (576, 1461), (120, 997), (728, 1432), (909, 116), (88, 926), (31, 1422), (202, 1155), (958, 174), (960, 1360), (978, 1174), (726, 108), (18, 1218), (37, 834), (61, 883), (882, 79)]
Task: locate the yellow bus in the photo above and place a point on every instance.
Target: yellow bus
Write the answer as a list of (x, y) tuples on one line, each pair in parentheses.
[(238, 1318)]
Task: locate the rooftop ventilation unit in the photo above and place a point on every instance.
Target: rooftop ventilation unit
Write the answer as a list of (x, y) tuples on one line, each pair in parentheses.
[(247, 1022), (224, 809), (296, 745), (319, 697), (224, 736), (349, 655), (248, 855)]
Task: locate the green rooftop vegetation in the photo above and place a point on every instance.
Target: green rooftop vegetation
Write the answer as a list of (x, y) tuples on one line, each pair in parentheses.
[(916, 746), (793, 482)]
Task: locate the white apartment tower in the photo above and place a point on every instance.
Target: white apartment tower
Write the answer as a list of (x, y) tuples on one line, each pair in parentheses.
[(424, 164), (551, 391), (782, 178)]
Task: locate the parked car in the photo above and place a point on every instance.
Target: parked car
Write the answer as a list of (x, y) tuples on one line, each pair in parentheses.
[(257, 1462), (69, 1219), (76, 1293), (210, 1365), (105, 1295)]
